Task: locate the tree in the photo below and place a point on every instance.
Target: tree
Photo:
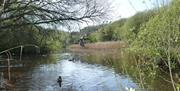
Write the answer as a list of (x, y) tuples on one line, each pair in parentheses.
[(16, 13)]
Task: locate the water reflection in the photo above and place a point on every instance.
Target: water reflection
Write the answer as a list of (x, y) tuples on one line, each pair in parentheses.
[(76, 76), (88, 77), (145, 75), (94, 71)]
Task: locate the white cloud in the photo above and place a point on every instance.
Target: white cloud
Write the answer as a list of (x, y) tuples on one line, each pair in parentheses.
[(127, 8)]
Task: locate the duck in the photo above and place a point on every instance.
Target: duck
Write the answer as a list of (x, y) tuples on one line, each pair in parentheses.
[(72, 59), (59, 80)]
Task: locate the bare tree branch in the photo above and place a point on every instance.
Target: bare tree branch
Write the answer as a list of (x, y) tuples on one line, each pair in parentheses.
[(17, 12)]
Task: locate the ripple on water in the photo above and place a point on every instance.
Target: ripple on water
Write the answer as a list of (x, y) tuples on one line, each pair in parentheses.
[(77, 76)]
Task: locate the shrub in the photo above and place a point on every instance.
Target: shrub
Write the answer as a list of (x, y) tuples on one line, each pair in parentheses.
[(160, 35)]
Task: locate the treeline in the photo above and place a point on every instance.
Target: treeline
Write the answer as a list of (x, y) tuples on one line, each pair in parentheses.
[(123, 29), (44, 40), (151, 35), (86, 33), (22, 22)]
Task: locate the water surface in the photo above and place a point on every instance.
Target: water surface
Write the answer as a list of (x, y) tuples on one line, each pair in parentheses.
[(32, 75), (95, 71)]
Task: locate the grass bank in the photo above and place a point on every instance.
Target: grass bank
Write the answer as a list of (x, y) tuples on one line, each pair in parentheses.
[(109, 45)]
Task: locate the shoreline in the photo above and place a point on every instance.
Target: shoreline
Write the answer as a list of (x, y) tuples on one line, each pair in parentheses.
[(109, 45)]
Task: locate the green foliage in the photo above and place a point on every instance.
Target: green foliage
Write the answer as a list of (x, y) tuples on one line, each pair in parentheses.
[(159, 37), (47, 39), (132, 26), (118, 28), (124, 29), (14, 37), (152, 35), (52, 40), (20, 20), (109, 32), (91, 33), (106, 33), (90, 29), (74, 37), (93, 37)]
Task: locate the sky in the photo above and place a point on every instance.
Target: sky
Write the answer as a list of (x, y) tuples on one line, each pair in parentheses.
[(124, 8), (127, 8), (121, 9)]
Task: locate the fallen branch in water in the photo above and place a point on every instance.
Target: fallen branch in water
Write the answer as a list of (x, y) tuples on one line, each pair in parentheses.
[(19, 47)]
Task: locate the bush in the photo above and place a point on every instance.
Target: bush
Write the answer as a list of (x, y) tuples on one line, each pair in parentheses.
[(132, 26), (48, 39), (160, 35)]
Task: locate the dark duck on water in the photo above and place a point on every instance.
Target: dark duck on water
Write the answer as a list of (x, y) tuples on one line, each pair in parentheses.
[(72, 59), (59, 81)]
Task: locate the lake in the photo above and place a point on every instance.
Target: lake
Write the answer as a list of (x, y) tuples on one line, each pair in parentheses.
[(94, 70)]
